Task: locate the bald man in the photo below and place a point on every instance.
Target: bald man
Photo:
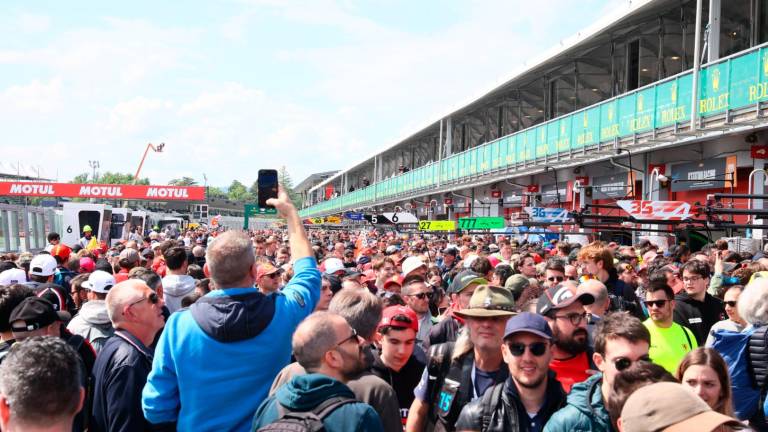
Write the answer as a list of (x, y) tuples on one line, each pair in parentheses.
[(599, 309), (124, 363)]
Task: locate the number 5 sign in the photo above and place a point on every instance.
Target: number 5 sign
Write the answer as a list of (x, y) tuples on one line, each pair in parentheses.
[(656, 210)]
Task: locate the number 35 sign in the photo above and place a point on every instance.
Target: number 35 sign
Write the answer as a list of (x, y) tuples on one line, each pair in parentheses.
[(656, 210)]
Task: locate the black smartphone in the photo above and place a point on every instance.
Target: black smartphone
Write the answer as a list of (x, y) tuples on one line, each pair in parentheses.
[(267, 186)]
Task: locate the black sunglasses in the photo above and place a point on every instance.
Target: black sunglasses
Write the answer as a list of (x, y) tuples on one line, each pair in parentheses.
[(518, 349), (152, 298), (422, 295), (730, 303), (622, 363), (556, 278), (657, 303)]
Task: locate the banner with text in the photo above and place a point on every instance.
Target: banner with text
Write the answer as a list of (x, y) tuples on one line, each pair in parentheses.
[(107, 191)]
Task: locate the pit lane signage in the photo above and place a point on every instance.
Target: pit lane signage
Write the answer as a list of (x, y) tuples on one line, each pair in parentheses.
[(656, 210), (392, 218), (546, 214), (707, 174), (108, 191), (437, 225), (478, 223)]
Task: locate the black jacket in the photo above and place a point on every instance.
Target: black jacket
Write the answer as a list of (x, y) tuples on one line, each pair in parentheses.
[(690, 317), (711, 310), (403, 381), (501, 409), (120, 373), (446, 330), (623, 297)]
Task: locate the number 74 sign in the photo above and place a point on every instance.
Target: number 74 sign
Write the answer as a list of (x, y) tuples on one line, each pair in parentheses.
[(656, 210)]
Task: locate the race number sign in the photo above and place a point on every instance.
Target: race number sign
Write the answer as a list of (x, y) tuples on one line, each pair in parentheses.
[(333, 220), (391, 218), (437, 225), (546, 214), (656, 210), (480, 223)]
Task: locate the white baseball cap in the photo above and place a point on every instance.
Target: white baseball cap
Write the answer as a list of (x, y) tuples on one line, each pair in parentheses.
[(42, 265), (332, 265), (99, 282), (13, 276), (412, 263)]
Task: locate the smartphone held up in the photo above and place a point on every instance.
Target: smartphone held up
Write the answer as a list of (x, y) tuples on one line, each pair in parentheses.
[(267, 183)]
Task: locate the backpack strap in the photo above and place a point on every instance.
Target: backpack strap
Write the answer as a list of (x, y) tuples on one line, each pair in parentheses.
[(491, 398), (329, 405)]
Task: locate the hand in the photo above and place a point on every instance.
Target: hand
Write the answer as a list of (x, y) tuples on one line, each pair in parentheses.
[(282, 203)]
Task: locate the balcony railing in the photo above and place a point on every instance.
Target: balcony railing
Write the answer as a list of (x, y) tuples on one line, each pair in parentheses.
[(731, 83)]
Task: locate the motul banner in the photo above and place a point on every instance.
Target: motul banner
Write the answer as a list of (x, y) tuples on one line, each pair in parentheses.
[(109, 191)]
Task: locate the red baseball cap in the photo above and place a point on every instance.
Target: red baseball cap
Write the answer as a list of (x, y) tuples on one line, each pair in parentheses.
[(394, 280), (393, 317)]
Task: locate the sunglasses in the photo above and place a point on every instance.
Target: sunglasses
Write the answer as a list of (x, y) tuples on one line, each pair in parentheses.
[(273, 275), (152, 298), (622, 363), (518, 349), (556, 278), (730, 303), (656, 303), (422, 296), (575, 318)]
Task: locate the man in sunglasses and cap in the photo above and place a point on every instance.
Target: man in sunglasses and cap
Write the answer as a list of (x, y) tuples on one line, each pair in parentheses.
[(417, 294), (621, 340), (527, 399), (125, 361), (459, 373)]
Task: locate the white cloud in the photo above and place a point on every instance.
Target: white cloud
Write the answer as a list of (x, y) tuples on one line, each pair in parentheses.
[(135, 115), (37, 97), (30, 23)]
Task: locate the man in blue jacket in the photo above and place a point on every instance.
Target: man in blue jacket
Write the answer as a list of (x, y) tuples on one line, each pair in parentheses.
[(124, 362), (332, 353), (214, 362)]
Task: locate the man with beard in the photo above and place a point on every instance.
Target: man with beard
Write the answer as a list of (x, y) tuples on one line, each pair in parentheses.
[(531, 394), (462, 372), (563, 308), (621, 341), (332, 353)]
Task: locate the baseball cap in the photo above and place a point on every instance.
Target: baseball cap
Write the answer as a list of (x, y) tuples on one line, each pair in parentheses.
[(489, 301), (669, 407), (451, 251), (411, 264), (99, 282), (34, 313), (87, 265), (42, 265), (129, 255), (527, 322), (62, 251), (517, 283), (394, 280), (464, 279), (332, 265), (13, 276), (561, 296), (87, 228), (266, 269), (391, 249), (389, 314)]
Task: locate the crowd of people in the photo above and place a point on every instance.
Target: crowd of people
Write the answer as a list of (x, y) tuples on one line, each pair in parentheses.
[(367, 330)]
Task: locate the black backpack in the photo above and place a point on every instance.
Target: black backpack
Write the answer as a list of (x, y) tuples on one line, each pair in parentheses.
[(305, 421)]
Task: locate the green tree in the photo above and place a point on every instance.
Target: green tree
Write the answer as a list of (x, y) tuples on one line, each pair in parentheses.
[(184, 181), (238, 192), (285, 180), (254, 190), (109, 177), (214, 192)]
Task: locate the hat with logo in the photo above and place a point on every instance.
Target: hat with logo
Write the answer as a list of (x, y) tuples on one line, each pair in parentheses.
[(489, 301), (34, 313), (411, 264), (99, 282), (464, 279), (266, 269), (13, 276), (394, 280), (42, 265), (527, 322), (561, 296), (401, 317), (670, 407), (333, 265)]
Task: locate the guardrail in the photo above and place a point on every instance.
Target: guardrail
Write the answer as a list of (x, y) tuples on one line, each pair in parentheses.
[(731, 83)]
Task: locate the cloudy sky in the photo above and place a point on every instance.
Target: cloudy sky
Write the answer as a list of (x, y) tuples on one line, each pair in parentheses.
[(235, 86)]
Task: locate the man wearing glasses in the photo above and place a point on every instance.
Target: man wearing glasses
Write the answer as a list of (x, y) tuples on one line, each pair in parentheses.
[(620, 341), (417, 294), (670, 341), (554, 272), (695, 283), (268, 278), (527, 399), (563, 308), (124, 363)]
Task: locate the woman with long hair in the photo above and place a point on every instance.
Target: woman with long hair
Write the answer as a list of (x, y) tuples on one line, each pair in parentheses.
[(704, 371)]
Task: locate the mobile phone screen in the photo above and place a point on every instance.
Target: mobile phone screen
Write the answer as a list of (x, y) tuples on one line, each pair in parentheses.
[(267, 186)]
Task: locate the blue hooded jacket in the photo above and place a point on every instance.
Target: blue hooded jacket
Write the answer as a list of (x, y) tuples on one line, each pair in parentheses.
[(305, 392), (214, 362)]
